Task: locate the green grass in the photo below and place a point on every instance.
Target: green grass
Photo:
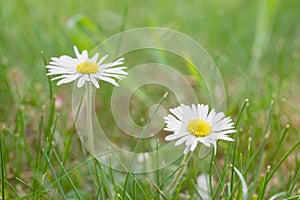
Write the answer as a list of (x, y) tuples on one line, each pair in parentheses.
[(256, 46)]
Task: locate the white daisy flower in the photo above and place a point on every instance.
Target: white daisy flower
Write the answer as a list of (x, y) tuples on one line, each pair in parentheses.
[(193, 124), (85, 69)]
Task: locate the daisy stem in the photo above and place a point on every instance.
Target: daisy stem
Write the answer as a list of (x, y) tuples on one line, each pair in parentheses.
[(179, 173), (89, 100)]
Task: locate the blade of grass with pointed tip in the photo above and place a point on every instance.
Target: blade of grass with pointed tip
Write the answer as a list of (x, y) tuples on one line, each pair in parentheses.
[(166, 179), (54, 175), (220, 179), (67, 175), (276, 196), (37, 170), (130, 174), (282, 136), (229, 149), (67, 149), (2, 167), (262, 147), (137, 146), (244, 184), (157, 169), (102, 178), (291, 188), (31, 188)]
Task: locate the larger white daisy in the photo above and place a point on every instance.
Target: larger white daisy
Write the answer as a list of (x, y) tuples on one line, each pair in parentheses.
[(85, 69), (193, 124)]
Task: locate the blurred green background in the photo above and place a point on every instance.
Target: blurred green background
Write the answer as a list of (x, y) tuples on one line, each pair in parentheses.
[(248, 40)]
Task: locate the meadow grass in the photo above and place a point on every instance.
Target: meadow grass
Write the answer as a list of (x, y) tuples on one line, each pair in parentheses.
[(256, 46)]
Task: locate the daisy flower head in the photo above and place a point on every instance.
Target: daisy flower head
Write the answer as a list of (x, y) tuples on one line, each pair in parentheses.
[(85, 69), (196, 124)]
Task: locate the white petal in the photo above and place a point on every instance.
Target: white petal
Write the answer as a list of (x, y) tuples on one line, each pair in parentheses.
[(60, 71), (168, 129), (210, 115), (171, 137), (187, 113), (63, 76), (222, 126), (173, 123), (218, 117), (117, 62), (110, 80), (78, 55), (190, 140), (187, 149), (181, 140), (102, 59), (203, 141), (194, 112), (194, 145), (95, 82), (64, 61), (94, 58), (116, 70), (117, 76), (67, 79), (225, 137), (227, 120), (84, 55), (177, 112), (81, 81), (228, 131), (203, 111)]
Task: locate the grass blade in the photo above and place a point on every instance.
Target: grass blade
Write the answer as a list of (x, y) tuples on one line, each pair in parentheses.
[(129, 174), (2, 167), (167, 178), (54, 175), (66, 173), (137, 146), (296, 179), (282, 159), (244, 184), (159, 191), (262, 146), (282, 136), (246, 102), (276, 196)]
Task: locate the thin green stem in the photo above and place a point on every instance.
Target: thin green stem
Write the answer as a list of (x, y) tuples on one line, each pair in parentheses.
[(54, 175), (179, 173), (264, 185), (48, 78), (67, 175), (2, 169), (235, 144), (296, 179), (282, 136), (262, 147), (72, 132), (89, 101), (166, 179), (282, 159), (137, 146)]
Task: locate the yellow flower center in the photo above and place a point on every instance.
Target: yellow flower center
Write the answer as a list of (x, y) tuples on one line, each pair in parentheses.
[(87, 68), (199, 128)]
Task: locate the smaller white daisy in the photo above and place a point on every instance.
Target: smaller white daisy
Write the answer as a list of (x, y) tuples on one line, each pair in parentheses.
[(85, 69), (193, 124)]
